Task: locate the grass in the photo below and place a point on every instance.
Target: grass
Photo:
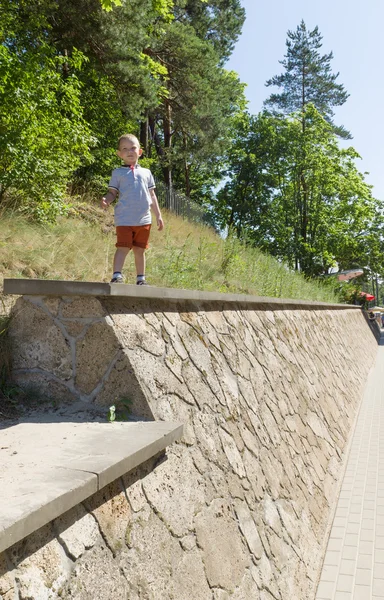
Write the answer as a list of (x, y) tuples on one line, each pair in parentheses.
[(185, 255)]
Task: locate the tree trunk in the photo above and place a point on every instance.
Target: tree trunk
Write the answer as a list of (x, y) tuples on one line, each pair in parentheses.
[(303, 99), (158, 145), (304, 209), (144, 137), (304, 261), (163, 150), (186, 169), (167, 121)]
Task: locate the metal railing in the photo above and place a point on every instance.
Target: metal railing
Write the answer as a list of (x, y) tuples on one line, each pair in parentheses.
[(180, 204)]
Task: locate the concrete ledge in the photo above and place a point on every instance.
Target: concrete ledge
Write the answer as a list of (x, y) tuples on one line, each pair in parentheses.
[(43, 287), (48, 468)]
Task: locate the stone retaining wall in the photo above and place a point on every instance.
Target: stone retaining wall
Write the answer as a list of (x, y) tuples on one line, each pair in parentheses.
[(241, 508)]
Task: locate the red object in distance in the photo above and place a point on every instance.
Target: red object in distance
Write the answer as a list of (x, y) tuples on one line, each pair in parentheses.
[(367, 296)]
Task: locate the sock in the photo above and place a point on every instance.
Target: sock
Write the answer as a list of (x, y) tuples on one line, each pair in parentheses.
[(116, 273), (140, 278)]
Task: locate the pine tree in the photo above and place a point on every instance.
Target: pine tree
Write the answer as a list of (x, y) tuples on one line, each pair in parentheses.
[(199, 97), (308, 78), (216, 21)]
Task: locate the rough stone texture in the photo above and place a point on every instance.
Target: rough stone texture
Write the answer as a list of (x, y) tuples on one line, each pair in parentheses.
[(94, 353), (77, 531), (39, 343), (121, 383), (40, 566), (185, 488), (249, 529), (7, 583), (219, 537), (241, 508), (96, 576), (80, 308), (111, 512)]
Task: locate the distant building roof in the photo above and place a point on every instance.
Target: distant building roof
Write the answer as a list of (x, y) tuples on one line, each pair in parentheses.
[(350, 274)]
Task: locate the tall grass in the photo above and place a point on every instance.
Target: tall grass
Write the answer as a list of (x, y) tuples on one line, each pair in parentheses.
[(80, 247)]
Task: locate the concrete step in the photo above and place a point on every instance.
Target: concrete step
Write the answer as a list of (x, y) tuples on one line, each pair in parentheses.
[(46, 468)]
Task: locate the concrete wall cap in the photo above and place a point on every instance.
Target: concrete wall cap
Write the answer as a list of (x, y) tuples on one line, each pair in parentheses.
[(43, 287)]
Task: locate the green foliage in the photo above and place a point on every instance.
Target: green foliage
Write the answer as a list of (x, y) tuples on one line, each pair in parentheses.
[(192, 126), (154, 62), (103, 112), (307, 79), (44, 137), (217, 21), (162, 7), (113, 43), (297, 195), (108, 5)]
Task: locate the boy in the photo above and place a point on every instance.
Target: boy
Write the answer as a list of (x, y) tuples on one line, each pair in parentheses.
[(136, 188)]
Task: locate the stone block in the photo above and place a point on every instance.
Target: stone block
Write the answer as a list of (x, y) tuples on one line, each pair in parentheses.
[(176, 491), (81, 308), (95, 353), (96, 575), (249, 529), (38, 342), (77, 531), (224, 555)]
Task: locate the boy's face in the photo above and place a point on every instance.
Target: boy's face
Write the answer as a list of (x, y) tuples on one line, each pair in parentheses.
[(129, 152)]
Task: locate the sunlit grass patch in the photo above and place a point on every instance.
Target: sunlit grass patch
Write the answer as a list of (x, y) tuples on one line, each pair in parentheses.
[(80, 247)]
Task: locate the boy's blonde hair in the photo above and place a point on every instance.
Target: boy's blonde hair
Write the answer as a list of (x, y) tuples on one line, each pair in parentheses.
[(129, 137)]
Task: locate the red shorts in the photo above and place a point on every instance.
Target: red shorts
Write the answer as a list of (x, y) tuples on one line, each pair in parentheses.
[(135, 235)]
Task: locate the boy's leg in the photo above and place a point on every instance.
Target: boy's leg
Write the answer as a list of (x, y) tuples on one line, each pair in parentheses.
[(123, 246), (140, 244), (139, 254), (119, 259)]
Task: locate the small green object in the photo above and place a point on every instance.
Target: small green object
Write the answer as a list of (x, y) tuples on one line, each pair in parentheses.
[(112, 413)]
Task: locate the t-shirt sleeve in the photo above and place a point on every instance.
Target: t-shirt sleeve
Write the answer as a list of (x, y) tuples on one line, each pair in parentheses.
[(114, 181), (151, 181)]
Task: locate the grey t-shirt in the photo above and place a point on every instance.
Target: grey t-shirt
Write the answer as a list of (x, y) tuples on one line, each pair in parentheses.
[(134, 201)]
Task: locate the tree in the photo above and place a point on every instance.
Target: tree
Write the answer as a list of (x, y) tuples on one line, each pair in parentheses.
[(192, 124), (148, 66), (314, 227), (44, 136), (217, 21), (163, 8), (308, 78), (113, 43), (165, 72), (242, 205), (115, 84)]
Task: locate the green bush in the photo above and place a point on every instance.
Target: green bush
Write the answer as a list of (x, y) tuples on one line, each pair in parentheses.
[(43, 135)]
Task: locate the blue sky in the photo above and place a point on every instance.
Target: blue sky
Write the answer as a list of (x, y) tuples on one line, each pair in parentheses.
[(353, 31)]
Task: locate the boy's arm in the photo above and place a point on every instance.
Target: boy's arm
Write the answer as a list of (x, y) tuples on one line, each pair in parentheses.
[(108, 198), (156, 209)]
